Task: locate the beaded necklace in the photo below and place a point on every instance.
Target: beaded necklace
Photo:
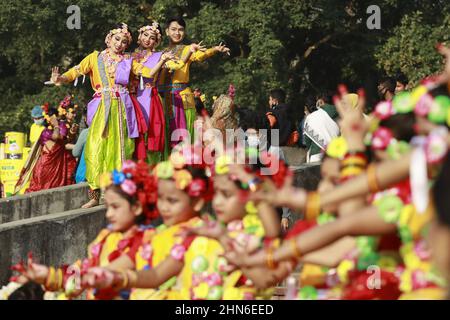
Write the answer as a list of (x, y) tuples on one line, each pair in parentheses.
[(111, 62), (142, 55)]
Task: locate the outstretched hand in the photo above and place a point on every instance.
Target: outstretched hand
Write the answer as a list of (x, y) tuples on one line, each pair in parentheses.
[(197, 47), (352, 124), (55, 77), (99, 278), (31, 271), (245, 259), (286, 196), (222, 48)]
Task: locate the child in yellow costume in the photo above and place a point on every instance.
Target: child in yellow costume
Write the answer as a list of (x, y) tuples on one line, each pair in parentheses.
[(183, 188), (129, 210), (206, 274)]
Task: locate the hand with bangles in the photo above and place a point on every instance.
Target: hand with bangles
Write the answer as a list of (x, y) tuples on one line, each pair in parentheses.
[(100, 278), (210, 229)]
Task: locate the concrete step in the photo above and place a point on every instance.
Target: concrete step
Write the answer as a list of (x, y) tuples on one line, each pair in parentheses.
[(43, 202), (54, 239)]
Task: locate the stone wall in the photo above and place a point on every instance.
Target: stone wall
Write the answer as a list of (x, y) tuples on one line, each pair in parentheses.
[(43, 202)]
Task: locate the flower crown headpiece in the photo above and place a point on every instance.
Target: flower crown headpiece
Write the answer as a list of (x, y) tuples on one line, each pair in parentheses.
[(176, 168), (123, 30), (66, 105), (47, 118), (419, 101), (136, 180), (153, 28)]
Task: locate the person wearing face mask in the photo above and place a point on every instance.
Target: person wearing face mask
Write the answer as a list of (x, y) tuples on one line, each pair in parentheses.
[(38, 126)]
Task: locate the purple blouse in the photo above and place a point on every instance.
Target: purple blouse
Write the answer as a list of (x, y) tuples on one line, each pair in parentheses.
[(47, 134)]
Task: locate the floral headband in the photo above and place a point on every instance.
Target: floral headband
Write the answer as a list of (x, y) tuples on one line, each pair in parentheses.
[(152, 28), (66, 105), (135, 180), (176, 168), (419, 100), (123, 30)]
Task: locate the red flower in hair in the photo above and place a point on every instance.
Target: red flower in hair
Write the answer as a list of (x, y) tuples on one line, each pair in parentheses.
[(197, 188)]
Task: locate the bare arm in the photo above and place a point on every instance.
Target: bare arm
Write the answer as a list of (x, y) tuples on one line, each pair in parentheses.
[(367, 222)]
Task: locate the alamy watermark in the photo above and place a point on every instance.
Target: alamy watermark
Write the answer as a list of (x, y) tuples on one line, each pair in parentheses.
[(74, 20)]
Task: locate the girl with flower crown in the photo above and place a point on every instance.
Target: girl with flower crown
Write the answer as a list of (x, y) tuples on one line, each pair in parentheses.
[(153, 124), (130, 196), (183, 189), (240, 225), (49, 164), (110, 114)]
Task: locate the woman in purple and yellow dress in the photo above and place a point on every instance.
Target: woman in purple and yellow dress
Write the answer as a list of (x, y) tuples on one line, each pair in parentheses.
[(152, 143), (111, 115)]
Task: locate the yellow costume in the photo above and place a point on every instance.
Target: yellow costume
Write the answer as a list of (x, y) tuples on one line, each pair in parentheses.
[(155, 249), (173, 86), (204, 276)]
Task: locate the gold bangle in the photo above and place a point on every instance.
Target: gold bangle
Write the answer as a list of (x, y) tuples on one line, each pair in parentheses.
[(125, 279), (49, 280), (354, 161), (269, 258), (61, 279), (351, 171), (312, 206), (372, 179), (295, 248)]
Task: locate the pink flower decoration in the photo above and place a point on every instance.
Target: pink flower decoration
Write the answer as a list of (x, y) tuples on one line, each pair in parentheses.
[(422, 251), (196, 279), (249, 296), (384, 110), (214, 279), (146, 252), (128, 165), (435, 148), (419, 280), (235, 226), (95, 249), (178, 252), (423, 106), (381, 138), (129, 187)]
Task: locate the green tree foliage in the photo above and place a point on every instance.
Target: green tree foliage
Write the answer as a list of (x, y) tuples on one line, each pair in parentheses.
[(302, 46)]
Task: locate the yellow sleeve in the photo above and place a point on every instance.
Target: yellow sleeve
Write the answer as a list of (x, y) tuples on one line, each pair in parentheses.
[(85, 66), (202, 55), (175, 65), (139, 69)]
